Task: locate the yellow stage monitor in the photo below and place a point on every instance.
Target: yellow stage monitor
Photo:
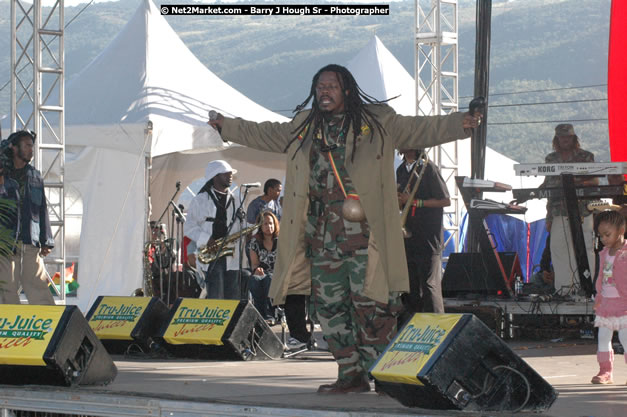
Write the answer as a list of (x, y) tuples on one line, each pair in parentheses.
[(416, 347), (201, 322), (115, 318), (26, 331)]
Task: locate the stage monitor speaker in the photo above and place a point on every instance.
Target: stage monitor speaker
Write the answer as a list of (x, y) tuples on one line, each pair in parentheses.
[(123, 322), (219, 329), (468, 273), (50, 345), (454, 361)]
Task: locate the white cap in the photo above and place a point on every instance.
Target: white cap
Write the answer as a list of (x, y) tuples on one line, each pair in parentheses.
[(218, 167)]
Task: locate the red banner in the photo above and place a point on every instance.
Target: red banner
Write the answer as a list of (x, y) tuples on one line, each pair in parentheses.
[(616, 85)]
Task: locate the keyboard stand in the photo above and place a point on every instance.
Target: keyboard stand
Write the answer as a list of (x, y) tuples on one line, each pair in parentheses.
[(480, 232), (576, 230)]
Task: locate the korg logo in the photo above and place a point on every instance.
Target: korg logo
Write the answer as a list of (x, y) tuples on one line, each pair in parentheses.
[(550, 168)]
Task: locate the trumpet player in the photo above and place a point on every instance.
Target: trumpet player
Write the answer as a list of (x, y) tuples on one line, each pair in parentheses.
[(424, 244), (209, 216)]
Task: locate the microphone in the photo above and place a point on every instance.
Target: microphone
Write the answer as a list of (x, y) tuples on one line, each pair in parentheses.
[(213, 115), (178, 211), (252, 185), (477, 103), (178, 185)]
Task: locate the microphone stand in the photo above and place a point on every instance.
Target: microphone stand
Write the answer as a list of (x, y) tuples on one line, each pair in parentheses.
[(179, 217), (240, 215), (178, 189), (170, 250)]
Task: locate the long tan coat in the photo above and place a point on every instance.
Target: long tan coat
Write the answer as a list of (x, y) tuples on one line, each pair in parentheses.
[(372, 173)]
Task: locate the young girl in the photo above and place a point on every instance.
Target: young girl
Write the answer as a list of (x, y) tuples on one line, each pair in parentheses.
[(611, 299)]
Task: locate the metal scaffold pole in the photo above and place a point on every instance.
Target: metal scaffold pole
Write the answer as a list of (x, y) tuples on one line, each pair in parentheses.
[(38, 102), (436, 75)]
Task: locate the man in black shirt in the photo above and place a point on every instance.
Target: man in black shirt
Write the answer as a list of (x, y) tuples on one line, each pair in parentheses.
[(423, 247)]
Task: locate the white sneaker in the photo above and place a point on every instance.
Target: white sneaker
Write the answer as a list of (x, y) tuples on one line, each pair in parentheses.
[(295, 344)]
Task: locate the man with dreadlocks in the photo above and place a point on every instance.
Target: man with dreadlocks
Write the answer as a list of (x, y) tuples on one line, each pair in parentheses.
[(341, 240)]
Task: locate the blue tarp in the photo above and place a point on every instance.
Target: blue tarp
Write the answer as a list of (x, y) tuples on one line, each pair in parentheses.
[(510, 235)]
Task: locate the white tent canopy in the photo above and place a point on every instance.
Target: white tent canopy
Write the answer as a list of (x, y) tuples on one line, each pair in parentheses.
[(381, 76), (147, 73), (145, 77)]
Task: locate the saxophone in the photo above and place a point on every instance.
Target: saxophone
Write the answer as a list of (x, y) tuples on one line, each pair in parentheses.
[(208, 254)]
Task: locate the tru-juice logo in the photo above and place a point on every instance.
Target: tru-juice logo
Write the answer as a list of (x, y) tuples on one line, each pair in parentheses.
[(117, 313), (30, 327), (207, 315), (416, 339)]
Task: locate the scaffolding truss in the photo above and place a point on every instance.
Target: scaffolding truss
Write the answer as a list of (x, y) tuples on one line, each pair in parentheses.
[(436, 75), (37, 104)]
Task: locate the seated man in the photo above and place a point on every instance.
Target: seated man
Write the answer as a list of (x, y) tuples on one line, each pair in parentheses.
[(269, 201)]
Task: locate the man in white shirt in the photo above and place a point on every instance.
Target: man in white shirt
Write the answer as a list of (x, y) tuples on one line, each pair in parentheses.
[(210, 216)]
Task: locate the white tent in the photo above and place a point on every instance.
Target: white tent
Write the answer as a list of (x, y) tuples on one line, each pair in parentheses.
[(380, 75), (145, 77)]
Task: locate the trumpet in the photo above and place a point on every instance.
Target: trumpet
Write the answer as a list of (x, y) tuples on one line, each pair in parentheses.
[(208, 254), (424, 159)]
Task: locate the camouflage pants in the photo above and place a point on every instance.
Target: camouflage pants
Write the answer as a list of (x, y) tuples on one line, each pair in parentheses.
[(356, 328)]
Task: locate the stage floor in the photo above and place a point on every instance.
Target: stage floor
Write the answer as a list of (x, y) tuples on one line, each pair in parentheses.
[(287, 387)]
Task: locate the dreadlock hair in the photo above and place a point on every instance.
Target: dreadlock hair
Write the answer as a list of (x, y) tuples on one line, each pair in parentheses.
[(354, 107), (6, 152), (613, 218), (556, 142), (207, 187)]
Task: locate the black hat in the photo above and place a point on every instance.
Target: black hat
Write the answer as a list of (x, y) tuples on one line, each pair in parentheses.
[(15, 137)]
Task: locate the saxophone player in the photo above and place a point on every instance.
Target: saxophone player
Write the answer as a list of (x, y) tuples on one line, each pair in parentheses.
[(209, 217)]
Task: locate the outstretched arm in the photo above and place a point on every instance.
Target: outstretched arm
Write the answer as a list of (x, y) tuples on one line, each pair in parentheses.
[(415, 132), (264, 136)]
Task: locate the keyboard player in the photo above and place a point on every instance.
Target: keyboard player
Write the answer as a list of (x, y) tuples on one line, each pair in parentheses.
[(567, 149)]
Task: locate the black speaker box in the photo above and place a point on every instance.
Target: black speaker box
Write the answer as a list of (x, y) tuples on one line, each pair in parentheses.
[(71, 355), (123, 322), (468, 273), (180, 284), (244, 336), (461, 366)]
